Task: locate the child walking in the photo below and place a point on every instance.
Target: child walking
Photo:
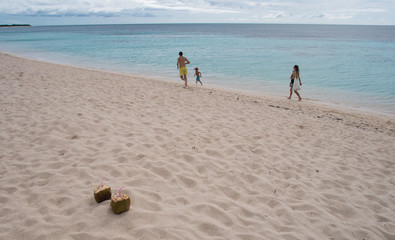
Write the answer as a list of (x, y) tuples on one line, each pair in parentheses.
[(198, 76)]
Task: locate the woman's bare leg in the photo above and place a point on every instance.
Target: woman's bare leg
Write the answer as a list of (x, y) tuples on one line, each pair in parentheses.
[(290, 93), (296, 92)]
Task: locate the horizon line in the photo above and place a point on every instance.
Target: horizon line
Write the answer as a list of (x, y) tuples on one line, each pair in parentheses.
[(192, 23)]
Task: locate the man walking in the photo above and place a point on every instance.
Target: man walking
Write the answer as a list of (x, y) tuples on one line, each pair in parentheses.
[(181, 65)]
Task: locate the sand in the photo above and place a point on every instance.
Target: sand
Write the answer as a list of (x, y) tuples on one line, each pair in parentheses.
[(200, 163)]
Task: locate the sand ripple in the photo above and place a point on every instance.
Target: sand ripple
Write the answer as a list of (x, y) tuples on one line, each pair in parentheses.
[(197, 163)]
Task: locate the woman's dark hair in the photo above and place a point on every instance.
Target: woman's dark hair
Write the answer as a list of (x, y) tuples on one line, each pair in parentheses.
[(297, 71), (180, 53)]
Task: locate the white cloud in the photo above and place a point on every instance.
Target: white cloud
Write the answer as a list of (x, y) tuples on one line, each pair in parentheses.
[(302, 11), (115, 7), (373, 10)]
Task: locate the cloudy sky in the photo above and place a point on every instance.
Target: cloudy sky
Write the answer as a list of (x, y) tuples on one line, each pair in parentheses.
[(61, 12)]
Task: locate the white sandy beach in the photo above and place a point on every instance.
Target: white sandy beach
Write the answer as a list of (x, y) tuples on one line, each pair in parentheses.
[(199, 163)]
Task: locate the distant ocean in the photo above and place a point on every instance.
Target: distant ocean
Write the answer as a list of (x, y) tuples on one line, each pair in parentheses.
[(348, 65)]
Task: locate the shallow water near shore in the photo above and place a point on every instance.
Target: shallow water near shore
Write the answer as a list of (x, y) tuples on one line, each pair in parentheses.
[(348, 65)]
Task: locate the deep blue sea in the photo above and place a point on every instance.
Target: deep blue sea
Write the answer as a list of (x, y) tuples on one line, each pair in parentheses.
[(349, 65)]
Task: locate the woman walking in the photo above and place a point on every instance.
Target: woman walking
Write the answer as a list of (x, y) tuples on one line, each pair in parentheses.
[(295, 83)]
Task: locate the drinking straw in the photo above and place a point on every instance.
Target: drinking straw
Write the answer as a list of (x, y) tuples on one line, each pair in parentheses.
[(119, 191), (102, 179)]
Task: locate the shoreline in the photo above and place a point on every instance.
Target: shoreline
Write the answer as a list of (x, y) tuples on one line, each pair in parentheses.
[(198, 163), (341, 105)]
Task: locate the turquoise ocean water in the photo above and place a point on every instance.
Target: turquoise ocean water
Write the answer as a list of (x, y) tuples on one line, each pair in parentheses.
[(349, 65)]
